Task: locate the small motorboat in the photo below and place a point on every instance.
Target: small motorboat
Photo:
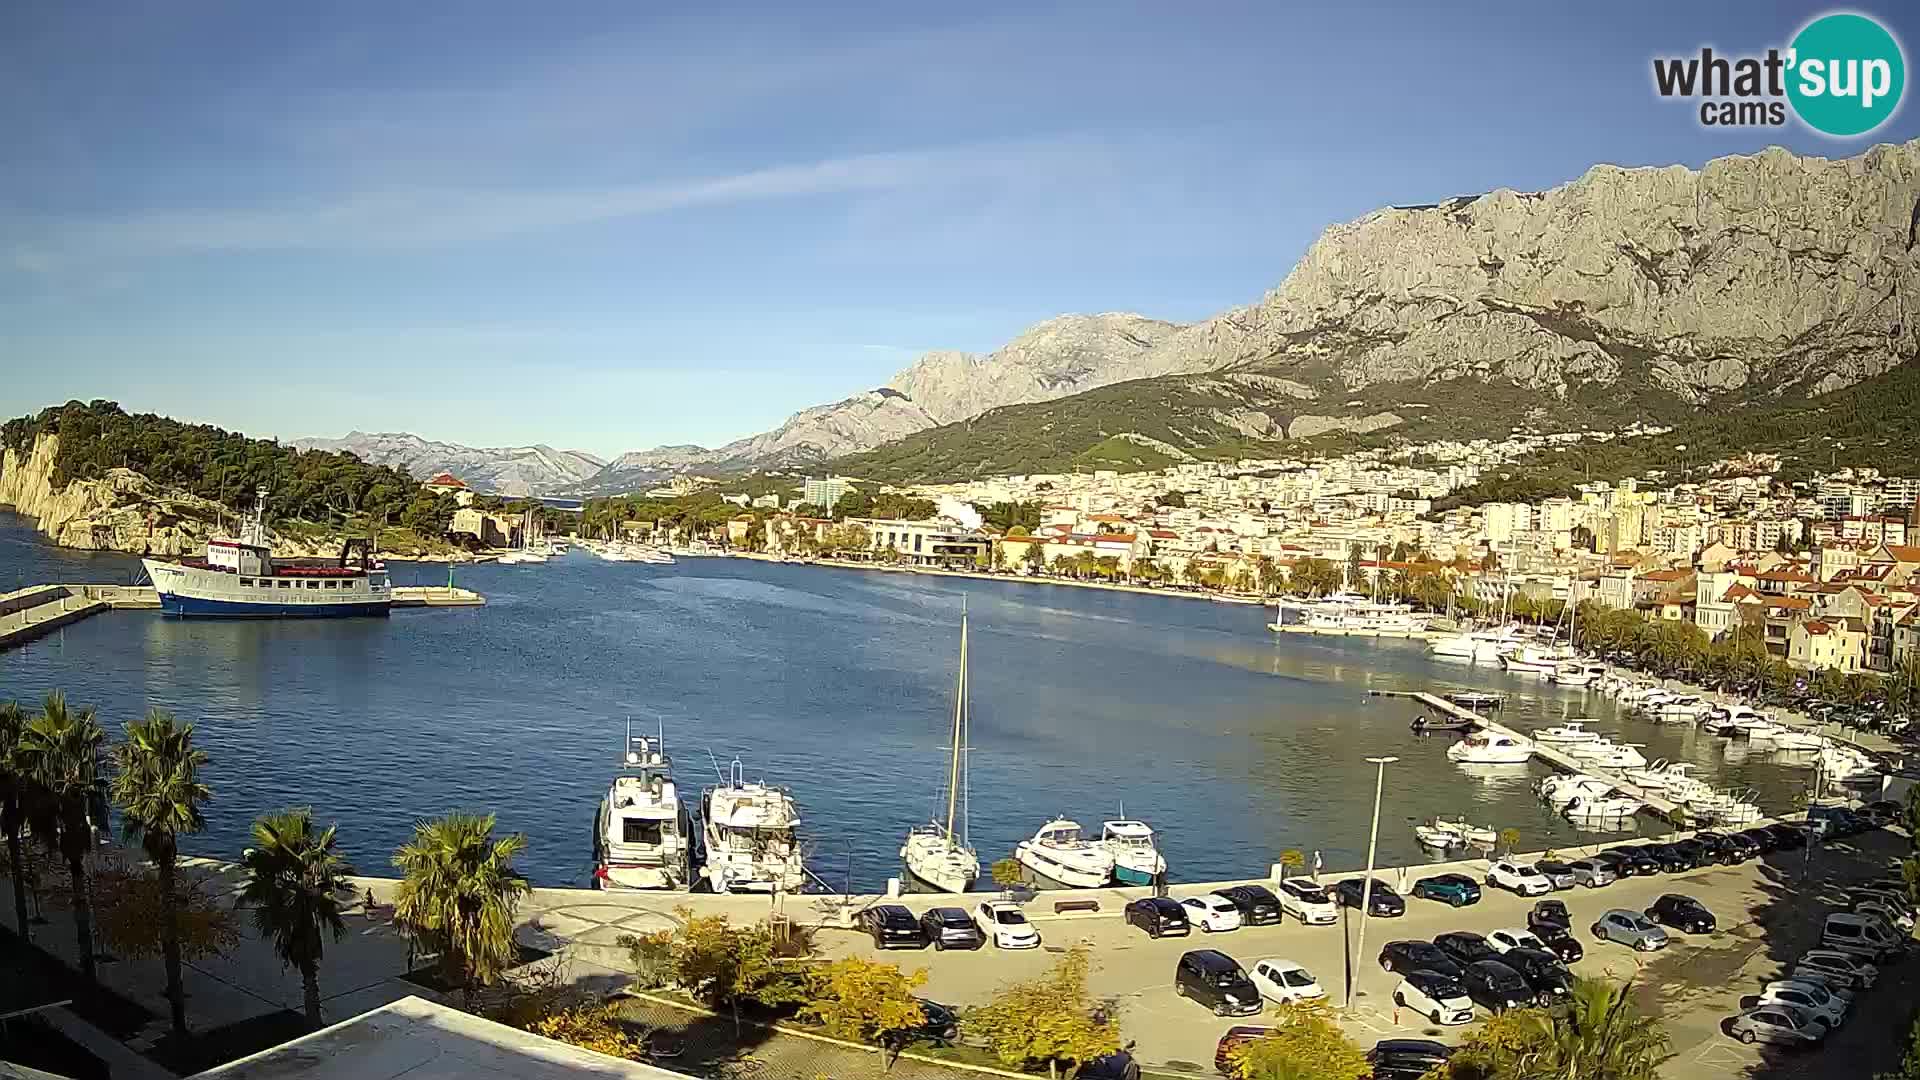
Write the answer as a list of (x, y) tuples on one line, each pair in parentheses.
[(1491, 748), (1441, 833), (1473, 699), (1573, 731), (1428, 724)]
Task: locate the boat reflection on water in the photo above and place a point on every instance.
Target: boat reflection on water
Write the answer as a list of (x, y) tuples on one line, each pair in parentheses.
[(1515, 776)]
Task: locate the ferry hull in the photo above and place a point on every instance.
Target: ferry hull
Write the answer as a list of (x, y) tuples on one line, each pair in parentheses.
[(195, 607)]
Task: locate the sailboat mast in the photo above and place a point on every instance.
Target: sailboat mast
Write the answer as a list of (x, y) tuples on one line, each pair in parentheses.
[(959, 712)]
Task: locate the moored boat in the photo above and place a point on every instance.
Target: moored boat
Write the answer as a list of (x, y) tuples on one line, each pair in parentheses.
[(239, 578), (939, 854), (642, 834), (1058, 851), (750, 834), (1136, 859)]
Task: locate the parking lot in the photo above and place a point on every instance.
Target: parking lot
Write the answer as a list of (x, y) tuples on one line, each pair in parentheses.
[(1769, 911)]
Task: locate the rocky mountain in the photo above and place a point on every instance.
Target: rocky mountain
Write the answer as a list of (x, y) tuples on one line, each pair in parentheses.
[(1627, 292), (1060, 356), (506, 470)]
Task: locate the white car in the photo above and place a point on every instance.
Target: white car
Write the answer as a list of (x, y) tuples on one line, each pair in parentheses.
[(1513, 937), (1308, 902), (1439, 998), (1892, 914), (1212, 913), (1284, 981), (1520, 877), (1815, 1001), (1007, 925)]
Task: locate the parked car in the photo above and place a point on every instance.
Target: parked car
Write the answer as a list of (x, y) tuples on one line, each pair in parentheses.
[(939, 1025), (1466, 947), (1630, 861), (1740, 847), (1629, 928), (1496, 987), (1682, 913), (1672, 858), (1889, 911), (1458, 890), (1520, 877), (1837, 969), (1564, 945), (1777, 1024), (1816, 1001), (1308, 902), (1512, 937), (1118, 1065), (1696, 852), (1159, 917), (1861, 935), (1440, 998), (1594, 873), (1548, 916), (1284, 981), (1237, 1036), (1406, 1059), (951, 928), (1558, 872), (1382, 901), (1258, 906), (1719, 848), (893, 927), (1213, 914), (1763, 839), (1786, 837), (1418, 956), (1216, 981), (1545, 974), (1007, 925)]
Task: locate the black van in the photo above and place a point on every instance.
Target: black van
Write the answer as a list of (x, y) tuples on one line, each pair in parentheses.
[(1215, 980)]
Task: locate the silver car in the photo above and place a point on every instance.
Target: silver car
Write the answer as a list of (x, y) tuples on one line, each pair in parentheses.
[(1836, 969), (1593, 873), (1782, 1025), (1630, 928)]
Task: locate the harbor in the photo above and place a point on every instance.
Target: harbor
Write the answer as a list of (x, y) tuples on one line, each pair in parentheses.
[(1233, 743)]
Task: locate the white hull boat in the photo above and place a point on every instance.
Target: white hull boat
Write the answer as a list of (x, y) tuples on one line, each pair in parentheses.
[(937, 854), (1491, 748), (643, 836), (1572, 732), (1136, 859), (1058, 851), (750, 832)]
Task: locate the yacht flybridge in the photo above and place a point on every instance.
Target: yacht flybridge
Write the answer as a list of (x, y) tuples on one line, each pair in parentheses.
[(642, 835), (749, 829), (1059, 852), (936, 853)]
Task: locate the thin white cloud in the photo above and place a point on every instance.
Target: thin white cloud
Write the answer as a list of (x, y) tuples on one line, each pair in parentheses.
[(423, 218)]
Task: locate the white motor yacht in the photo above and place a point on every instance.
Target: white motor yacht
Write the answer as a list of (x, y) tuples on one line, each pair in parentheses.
[(1136, 860), (1058, 851), (937, 853), (1535, 659), (1573, 673), (1573, 731), (1613, 756), (1491, 748), (642, 835), (750, 833), (1612, 805), (1795, 740)]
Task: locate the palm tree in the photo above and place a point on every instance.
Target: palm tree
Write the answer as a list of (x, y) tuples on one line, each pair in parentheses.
[(15, 797), (460, 890), (157, 786), (61, 752), (295, 878), (1601, 1037)]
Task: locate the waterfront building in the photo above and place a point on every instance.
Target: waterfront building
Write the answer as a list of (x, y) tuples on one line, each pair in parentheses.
[(927, 543), (824, 493), (1815, 644)]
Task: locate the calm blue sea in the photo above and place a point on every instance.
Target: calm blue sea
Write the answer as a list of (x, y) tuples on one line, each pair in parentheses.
[(837, 683)]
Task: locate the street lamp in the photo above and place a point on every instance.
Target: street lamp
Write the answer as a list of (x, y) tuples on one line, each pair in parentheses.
[(1366, 886)]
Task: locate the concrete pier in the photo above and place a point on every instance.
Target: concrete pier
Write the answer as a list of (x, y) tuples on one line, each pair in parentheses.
[(37, 610), (1552, 755)]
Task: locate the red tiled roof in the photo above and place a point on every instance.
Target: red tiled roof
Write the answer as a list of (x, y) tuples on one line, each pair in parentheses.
[(1664, 575), (1905, 553), (1796, 603), (1815, 626), (446, 479)]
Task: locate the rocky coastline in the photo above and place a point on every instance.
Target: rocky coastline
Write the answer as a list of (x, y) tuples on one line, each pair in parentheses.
[(124, 511)]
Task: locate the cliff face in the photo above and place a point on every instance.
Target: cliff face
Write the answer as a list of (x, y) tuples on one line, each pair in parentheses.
[(122, 511), (1762, 275)]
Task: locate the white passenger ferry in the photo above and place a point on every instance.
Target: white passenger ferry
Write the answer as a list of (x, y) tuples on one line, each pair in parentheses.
[(239, 579)]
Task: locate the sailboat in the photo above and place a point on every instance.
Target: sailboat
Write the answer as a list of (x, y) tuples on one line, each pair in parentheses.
[(935, 853)]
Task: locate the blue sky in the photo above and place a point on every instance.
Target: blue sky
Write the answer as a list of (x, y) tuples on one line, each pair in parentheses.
[(575, 224)]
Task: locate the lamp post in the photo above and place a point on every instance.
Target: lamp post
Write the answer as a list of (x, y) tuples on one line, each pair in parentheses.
[(1366, 884)]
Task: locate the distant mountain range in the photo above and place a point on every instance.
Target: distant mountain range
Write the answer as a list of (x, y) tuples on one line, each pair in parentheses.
[(1646, 293), (504, 470)]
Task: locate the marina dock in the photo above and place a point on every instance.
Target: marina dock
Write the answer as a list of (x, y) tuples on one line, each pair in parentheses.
[(38, 610), (1552, 755)]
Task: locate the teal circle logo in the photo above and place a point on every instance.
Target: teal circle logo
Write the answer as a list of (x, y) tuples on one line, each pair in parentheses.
[(1847, 75)]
